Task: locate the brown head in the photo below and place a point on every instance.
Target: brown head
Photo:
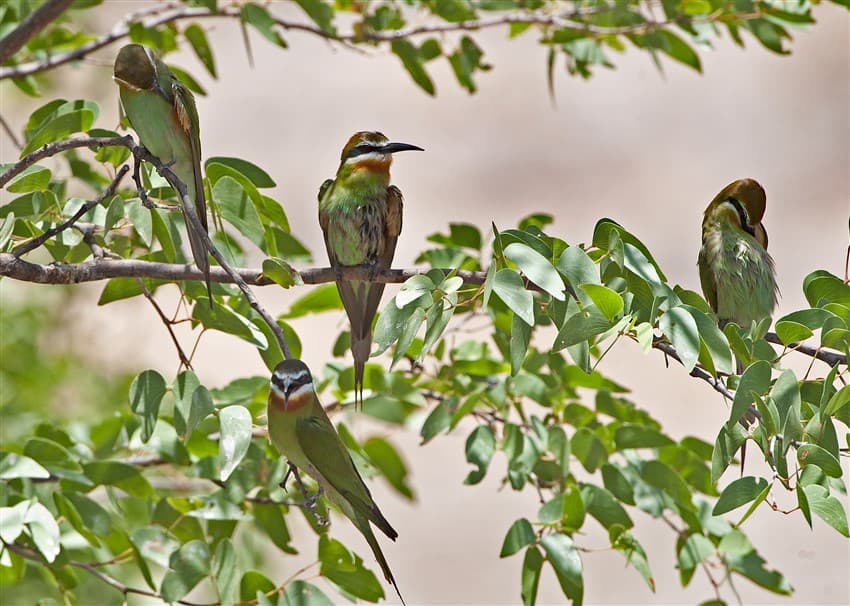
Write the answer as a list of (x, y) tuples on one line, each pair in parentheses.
[(742, 203), (372, 151), (136, 68)]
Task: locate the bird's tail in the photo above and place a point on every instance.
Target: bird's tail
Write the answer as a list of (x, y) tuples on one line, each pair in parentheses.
[(199, 252), (364, 527), (360, 302)]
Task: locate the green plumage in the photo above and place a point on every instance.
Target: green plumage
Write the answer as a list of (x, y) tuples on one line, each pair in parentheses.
[(301, 431), (360, 216), (162, 111)]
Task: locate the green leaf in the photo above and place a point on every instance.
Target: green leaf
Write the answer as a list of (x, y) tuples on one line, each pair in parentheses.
[(756, 379), (696, 549), (827, 507), (317, 300), (302, 593), (739, 492), (714, 340), (43, 529), (13, 466), (837, 401), (346, 570), (189, 565), (270, 519), (258, 17), (198, 39), (321, 13), (617, 484), (520, 338), (225, 571), (146, 393), (564, 558), (537, 268), (672, 45), (254, 585), (480, 447), (282, 273), (660, 475), (386, 458), (509, 287), (577, 267), (812, 454), (33, 178), (235, 422), (413, 63), (221, 317), (581, 326), (142, 222), (631, 435), (201, 406), (588, 449), (238, 209), (532, 564), (252, 172), (603, 507), (609, 302), (681, 328), (519, 535), (68, 118), (752, 567), (114, 473), (412, 289)]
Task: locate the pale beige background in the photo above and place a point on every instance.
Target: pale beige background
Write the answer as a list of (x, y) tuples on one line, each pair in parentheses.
[(646, 149)]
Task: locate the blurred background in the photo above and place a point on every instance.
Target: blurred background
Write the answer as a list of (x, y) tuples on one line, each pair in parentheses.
[(647, 149)]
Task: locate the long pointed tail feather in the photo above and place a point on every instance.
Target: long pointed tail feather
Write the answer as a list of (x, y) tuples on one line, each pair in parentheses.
[(364, 527)]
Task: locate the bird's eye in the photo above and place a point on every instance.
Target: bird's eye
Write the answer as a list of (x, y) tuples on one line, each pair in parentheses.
[(359, 150)]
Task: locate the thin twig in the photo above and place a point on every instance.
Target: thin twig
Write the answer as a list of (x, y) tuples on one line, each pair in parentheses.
[(38, 241), (830, 357), (184, 361), (10, 133), (543, 19), (32, 555)]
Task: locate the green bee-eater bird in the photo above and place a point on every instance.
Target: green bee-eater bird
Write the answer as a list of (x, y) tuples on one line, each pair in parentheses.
[(300, 430), (162, 112), (360, 215), (735, 270)]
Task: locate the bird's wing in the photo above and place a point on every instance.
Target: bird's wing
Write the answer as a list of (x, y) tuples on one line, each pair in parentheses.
[(324, 217), (706, 279), (183, 103), (326, 452), (392, 229)]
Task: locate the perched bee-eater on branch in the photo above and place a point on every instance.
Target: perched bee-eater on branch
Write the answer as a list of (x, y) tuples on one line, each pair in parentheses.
[(162, 112), (735, 270), (301, 431), (360, 216)]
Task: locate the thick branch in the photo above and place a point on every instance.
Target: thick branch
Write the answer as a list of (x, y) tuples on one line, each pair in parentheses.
[(156, 18), (29, 27)]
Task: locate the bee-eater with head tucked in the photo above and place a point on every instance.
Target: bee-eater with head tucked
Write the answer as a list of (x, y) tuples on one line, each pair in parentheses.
[(360, 216), (736, 272), (300, 430), (162, 111)]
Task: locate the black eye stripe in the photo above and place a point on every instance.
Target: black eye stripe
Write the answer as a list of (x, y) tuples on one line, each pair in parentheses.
[(362, 148), (742, 216)]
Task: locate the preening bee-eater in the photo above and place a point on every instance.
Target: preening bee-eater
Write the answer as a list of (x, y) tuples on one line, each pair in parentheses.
[(735, 270), (300, 430), (162, 112), (360, 216)]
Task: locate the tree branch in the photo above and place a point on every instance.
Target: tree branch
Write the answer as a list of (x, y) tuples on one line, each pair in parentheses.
[(158, 17), (830, 357), (29, 27), (32, 555)]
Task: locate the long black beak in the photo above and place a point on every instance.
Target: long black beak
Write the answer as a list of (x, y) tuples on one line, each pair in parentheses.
[(391, 148)]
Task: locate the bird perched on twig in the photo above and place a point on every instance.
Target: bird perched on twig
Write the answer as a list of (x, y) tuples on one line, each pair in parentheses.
[(162, 112), (360, 215), (300, 430)]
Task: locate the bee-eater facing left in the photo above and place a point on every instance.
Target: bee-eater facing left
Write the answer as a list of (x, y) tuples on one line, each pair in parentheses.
[(735, 270), (162, 112), (360, 215), (300, 430)]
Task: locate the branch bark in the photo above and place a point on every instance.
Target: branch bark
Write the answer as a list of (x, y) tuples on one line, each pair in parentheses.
[(31, 26)]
